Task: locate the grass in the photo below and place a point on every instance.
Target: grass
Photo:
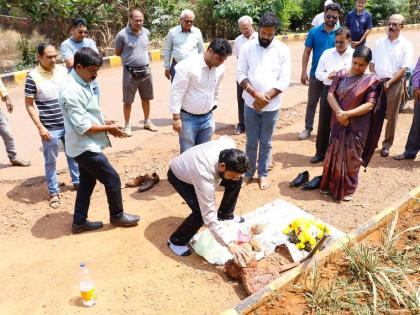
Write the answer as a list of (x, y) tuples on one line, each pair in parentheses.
[(376, 279)]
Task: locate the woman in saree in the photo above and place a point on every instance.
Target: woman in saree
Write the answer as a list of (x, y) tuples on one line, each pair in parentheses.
[(359, 104)]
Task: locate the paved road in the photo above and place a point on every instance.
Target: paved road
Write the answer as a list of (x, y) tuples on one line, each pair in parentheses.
[(29, 144)]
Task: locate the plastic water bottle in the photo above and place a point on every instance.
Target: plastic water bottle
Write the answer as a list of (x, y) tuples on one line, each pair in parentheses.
[(87, 287)]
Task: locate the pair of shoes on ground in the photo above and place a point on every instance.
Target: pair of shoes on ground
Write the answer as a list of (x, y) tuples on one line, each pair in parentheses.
[(305, 134), (143, 182), (20, 162), (239, 129), (404, 156), (184, 250), (303, 180), (263, 182), (123, 220), (148, 125)]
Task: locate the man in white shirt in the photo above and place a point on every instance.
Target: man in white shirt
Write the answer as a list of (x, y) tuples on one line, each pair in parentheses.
[(332, 60), (195, 174), (319, 18), (264, 70), (248, 33), (195, 94), (392, 57), (183, 40)]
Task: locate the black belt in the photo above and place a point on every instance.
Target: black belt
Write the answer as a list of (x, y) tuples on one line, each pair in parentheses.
[(199, 115), (130, 68)]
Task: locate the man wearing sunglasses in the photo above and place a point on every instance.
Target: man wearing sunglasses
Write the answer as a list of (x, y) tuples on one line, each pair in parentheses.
[(319, 18), (183, 40), (319, 39), (77, 40), (392, 57), (359, 21)]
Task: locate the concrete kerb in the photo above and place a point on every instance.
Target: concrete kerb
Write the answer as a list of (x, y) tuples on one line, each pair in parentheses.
[(18, 78), (411, 200)]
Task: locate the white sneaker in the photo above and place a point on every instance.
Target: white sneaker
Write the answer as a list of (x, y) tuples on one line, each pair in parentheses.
[(179, 250), (150, 126), (348, 198), (304, 134), (127, 130)]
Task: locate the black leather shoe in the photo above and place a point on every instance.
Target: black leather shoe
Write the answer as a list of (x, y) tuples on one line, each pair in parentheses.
[(125, 219), (404, 156), (314, 183), (300, 179), (87, 226), (317, 158), (384, 152)]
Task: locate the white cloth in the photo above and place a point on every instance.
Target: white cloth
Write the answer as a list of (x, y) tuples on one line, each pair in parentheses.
[(331, 61), (195, 88), (180, 45), (240, 40), (319, 19), (199, 166), (275, 216), (390, 57), (265, 68)]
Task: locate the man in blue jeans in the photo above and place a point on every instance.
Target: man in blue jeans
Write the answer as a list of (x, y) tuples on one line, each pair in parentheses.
[(195, 94), (264, 70), (86, 137), (42, 88)]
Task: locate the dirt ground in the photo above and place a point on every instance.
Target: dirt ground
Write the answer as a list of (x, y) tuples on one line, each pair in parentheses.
[(133, 269)]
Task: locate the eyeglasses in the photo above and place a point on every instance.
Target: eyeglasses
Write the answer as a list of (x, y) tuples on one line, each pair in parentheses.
[(188, 21), (394, 24), (331, 17), (51, 57), (339, 42), (82, 32)]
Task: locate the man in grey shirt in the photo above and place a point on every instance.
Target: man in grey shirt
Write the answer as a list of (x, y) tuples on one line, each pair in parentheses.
[(131, 45), (195, 174), (183, 40)]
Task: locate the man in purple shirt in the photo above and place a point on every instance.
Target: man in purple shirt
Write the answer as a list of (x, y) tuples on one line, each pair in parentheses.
[(412, 146)]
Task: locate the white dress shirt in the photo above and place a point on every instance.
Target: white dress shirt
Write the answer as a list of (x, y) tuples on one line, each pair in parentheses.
[(390, 57), (199, 166), (195, 88), (180, 45), (331, 61), (265, 68), (240, 40)]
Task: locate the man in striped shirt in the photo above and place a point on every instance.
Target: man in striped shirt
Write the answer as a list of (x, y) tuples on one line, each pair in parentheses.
[(43, 86)]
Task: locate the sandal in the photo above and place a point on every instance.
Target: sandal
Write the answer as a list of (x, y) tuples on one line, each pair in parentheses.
[(246, 180), (264, 184), (54, 201)]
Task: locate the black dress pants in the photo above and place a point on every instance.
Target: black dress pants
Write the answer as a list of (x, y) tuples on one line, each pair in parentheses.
[(95, 166), (185, 232), (323, 133)]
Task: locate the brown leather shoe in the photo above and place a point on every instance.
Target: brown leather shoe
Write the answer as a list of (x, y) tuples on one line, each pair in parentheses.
[(136, 182), (404, 156), (384, 152), (150, 181)]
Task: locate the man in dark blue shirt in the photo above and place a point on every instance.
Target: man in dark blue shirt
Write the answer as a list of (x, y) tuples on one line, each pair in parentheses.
[(359, 21)]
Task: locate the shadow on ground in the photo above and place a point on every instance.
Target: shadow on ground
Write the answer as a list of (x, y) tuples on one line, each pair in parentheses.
[(153, 233)]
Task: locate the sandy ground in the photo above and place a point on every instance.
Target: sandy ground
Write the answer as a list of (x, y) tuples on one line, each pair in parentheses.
[(133, 269)]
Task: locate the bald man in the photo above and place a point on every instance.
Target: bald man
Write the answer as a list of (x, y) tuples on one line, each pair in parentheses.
[(247, 33), (392, 57), (131, 45)]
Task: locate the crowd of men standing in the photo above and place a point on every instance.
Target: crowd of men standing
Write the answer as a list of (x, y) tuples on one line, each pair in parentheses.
[(63, 103)]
